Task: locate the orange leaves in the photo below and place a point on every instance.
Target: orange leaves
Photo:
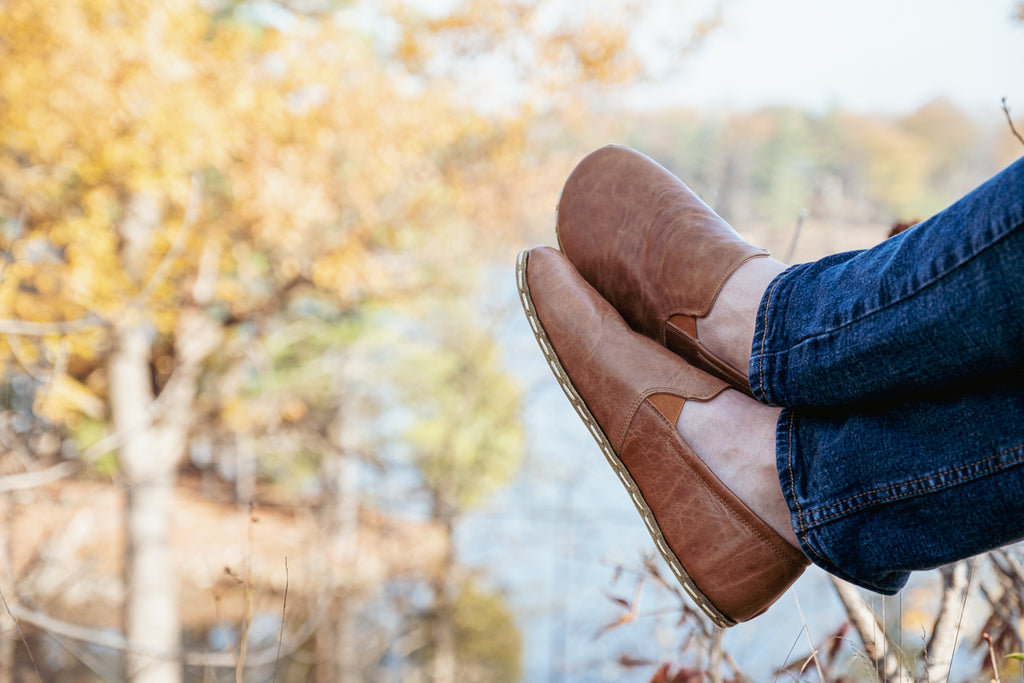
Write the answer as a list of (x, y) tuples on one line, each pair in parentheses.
[(470, 30), (664, 674), (506, 55), (324, 163), (631, 607), (109, 99), (596, 51), (350, 274)]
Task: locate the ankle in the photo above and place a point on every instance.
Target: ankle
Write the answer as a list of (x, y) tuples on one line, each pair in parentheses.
[(728, 329), (735, 436)]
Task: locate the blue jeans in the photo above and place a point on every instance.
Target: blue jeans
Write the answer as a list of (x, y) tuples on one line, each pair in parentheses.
[(900, 370)]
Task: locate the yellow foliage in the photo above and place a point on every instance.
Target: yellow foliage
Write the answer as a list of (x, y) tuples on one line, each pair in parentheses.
[(308, 143), (65, 396), (150, 148)]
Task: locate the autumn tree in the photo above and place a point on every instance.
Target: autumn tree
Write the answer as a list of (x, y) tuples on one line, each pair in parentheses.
[(466, 439), (177, 184), (192, 179)]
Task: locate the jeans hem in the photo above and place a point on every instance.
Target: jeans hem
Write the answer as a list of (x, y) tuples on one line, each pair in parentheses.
[(756, 370), (815, 552)]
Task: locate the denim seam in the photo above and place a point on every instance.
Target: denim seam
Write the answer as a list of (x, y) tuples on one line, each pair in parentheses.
[(818, 556), (792, 478), (921, 288), (809, 548), (808, 545), (991, 467), (764, 341)]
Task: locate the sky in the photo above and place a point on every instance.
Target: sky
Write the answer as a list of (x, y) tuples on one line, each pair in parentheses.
[(870, 55)]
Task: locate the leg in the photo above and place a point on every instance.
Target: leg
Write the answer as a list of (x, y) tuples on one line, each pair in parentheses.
[(877, 494), (744, 459), (871, 496), (936, 308), (932, 307)]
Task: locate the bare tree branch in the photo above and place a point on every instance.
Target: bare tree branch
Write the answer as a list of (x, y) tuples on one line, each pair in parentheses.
[(992, 657), (30, 480), (195, 198), (25, 328), (942, 644), (284, 610), (1009, 565), (221, 660), (1009, 574), (1009, 120), (813, 656), (63, 628), (872, 634), (801, 217), (715, 657)]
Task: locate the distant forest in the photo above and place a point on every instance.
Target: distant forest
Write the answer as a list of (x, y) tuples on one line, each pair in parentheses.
[(768, 165)]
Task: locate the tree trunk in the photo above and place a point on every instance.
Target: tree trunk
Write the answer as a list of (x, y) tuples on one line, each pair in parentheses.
[(8, 629), (153, 439), (445, 660), (340, 660), (345, 538), (153, 626), (151, 609)]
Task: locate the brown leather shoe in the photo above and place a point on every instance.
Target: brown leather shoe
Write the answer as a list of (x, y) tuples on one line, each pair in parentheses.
[(629, 392), (652, 248)]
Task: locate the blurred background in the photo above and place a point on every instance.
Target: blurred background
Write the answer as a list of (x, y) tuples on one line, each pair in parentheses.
[(269, 410)]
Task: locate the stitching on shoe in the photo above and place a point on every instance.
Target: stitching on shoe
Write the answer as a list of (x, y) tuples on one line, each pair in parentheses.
[(682, 576), (735, 504)]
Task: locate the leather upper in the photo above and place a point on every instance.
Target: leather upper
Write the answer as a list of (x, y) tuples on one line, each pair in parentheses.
[(651, 247), (634, 389)]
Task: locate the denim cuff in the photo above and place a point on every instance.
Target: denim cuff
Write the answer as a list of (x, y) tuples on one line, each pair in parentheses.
[(761, 371), (816, 541)]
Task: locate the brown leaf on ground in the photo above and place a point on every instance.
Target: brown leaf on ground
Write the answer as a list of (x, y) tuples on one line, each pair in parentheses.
[(626, 618), (631, 662)]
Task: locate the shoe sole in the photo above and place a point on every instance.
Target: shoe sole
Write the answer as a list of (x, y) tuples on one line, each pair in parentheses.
[(620, 470)]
